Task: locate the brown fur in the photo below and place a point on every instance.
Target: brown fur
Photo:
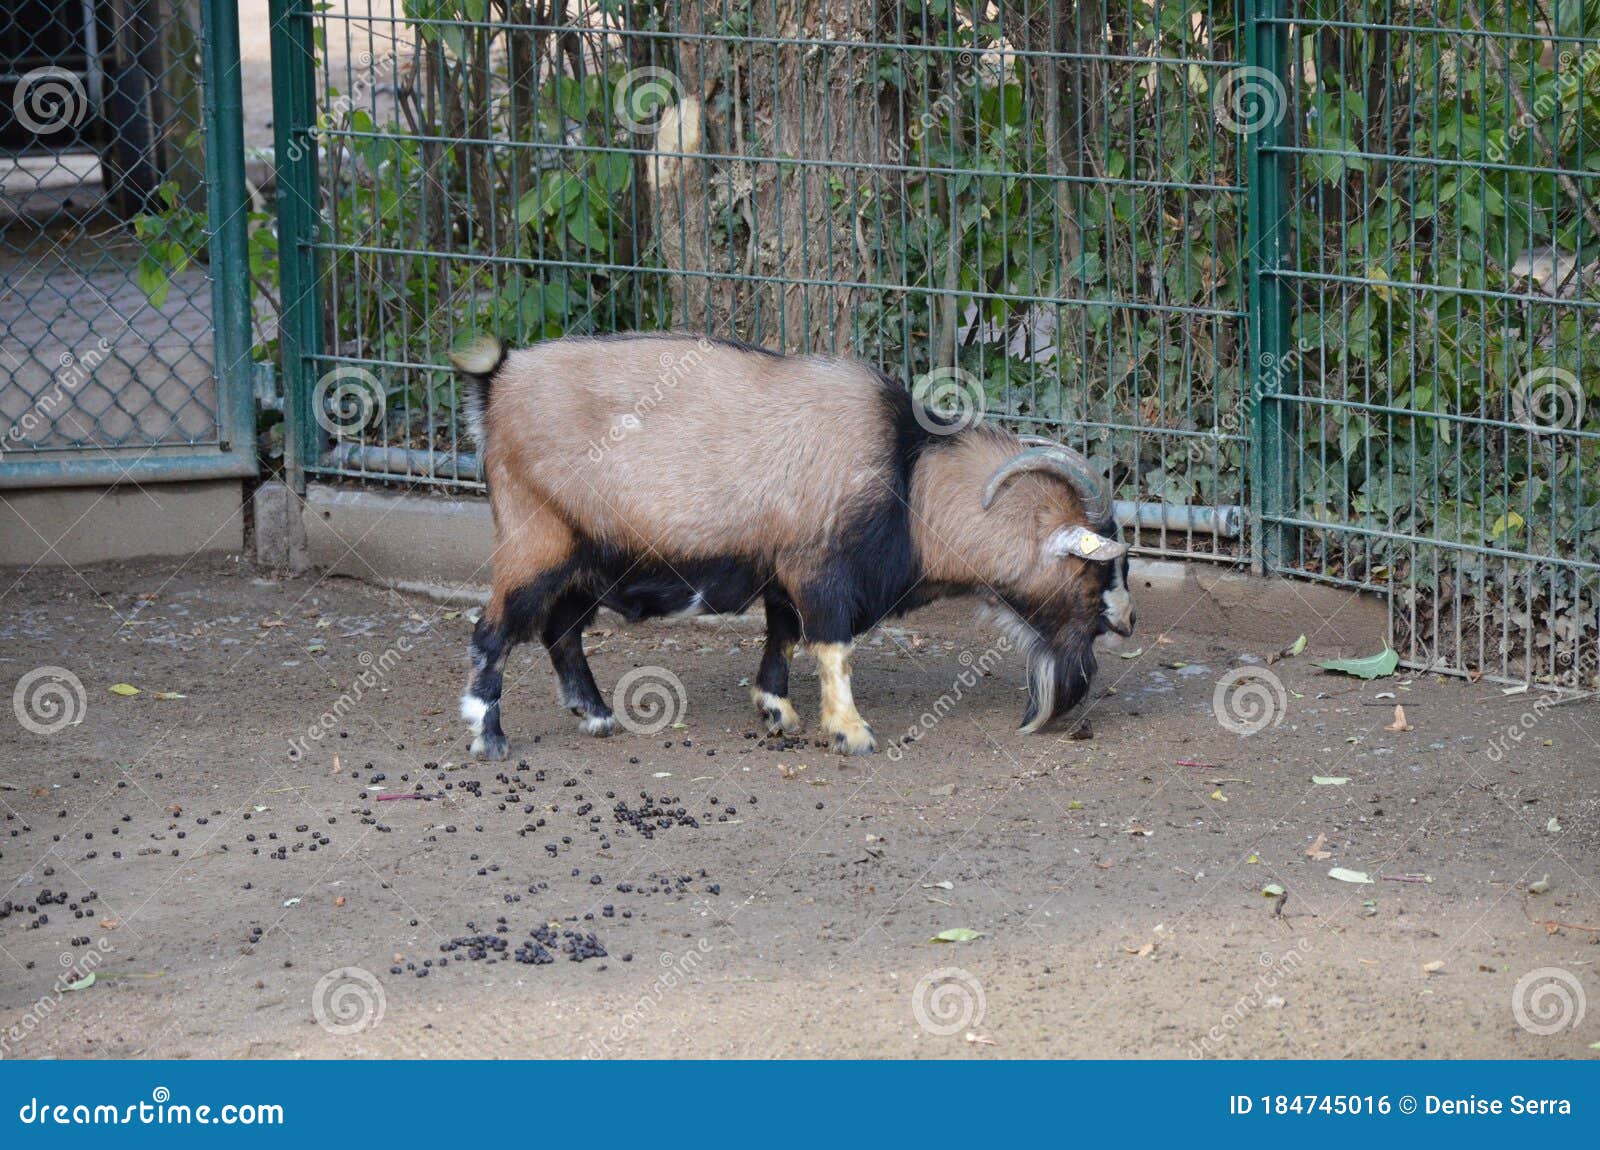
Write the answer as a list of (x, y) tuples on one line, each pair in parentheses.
[(732, 451)]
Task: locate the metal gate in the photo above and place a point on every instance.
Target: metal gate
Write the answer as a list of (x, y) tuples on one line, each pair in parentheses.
[(124, 342)]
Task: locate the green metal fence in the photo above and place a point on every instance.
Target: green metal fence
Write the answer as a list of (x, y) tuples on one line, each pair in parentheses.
[(1278, 266), (124, 320)]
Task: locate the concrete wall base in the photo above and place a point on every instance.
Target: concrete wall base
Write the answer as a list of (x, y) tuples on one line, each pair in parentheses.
[(443, 548), (74, 526)]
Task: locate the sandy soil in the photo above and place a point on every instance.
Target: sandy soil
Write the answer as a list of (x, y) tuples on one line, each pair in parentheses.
[(234, 886)]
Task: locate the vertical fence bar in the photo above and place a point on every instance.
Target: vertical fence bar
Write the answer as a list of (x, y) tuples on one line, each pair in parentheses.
[(295, 157), (227, 208), (1270, 368)]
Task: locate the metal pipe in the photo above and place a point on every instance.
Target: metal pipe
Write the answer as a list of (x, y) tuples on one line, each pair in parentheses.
[(1224, 522)]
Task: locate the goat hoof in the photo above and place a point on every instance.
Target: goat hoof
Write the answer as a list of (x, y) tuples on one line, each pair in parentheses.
[(600, 726), (854, 740), (494, 748), (777, 711)]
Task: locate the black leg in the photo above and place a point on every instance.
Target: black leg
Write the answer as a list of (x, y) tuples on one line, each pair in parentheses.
[(506, 621), (771, 691), (563, 638), (480, 706)]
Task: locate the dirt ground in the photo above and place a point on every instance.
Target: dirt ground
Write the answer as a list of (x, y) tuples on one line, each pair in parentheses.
[(1115, 887)]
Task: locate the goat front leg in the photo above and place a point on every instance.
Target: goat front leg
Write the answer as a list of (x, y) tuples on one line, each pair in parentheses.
[(770, 693), (847, 730)]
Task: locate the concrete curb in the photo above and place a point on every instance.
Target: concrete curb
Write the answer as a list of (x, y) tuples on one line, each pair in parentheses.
[(442, 548), (75, 526)]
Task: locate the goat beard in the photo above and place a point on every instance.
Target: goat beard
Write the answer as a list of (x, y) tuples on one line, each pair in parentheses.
[(1059, 673)]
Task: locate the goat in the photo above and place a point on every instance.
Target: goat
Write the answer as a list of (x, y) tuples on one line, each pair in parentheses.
[(660, 474)]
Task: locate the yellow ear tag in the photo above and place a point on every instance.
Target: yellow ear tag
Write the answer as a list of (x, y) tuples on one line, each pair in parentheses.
[(1089, 543)]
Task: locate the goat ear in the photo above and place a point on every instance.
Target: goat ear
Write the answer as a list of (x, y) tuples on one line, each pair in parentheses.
[(1081, 543)]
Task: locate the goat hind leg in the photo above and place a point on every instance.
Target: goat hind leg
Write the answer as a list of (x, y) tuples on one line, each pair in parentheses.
[(563, 638)]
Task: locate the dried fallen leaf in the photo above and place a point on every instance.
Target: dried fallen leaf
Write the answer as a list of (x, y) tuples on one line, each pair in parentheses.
[(944, 884), (1315, 851), (1433, 967), (981, 1039), (110, 923), (339, 901), (1145, 832), (1399, 723), (1144, 951), (1344, 875), (942, 791), (1540, 887), (1107, 865)]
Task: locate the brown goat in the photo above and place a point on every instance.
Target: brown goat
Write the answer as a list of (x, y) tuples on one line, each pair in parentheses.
[(661, 474)]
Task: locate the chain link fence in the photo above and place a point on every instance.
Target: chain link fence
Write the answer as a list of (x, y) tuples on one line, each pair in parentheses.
[(123, 352)]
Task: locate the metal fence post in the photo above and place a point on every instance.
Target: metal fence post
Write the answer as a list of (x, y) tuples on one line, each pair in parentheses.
[(295, 157), (227, 210), (1272, 367)]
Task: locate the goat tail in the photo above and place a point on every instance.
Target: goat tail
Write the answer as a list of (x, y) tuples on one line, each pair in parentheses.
[(477, 356)]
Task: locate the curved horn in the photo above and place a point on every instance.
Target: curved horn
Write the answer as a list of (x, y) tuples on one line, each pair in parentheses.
[(1062, 462)]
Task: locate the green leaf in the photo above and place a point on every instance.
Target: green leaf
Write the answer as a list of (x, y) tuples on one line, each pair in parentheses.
[(613, 172), (126, 689), (83, 983), (956, 934), (1509, 521), (583, 230), (1298, 646), (1371, 667), (1271, 890), (1329, 780)]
